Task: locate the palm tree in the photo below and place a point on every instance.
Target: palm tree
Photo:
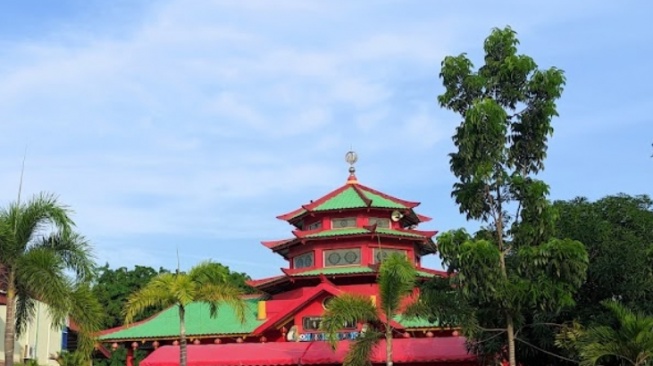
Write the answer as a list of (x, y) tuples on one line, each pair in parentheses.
[(207, 282), (397, 279), (38, 251), (630, 342)]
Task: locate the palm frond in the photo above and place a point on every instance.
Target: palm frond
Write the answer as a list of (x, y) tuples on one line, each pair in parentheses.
[(73, 249), (87, 312), (41, 276), (209, 272), (347, 308), (360, 350), (158, 292), (183, 289), (397, 279), (32, 217), (631, 340), (226, 293), (25, 310)]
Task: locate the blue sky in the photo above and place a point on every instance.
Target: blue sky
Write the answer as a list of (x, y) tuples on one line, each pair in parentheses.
[(192, 124)]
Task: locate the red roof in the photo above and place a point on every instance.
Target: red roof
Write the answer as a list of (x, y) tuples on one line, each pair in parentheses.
[(411, 350)]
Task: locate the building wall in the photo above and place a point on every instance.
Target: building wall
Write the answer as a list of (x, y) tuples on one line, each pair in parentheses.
[(39, 340)]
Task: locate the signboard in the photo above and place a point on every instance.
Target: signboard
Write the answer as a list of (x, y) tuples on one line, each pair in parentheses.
[(310, 337)]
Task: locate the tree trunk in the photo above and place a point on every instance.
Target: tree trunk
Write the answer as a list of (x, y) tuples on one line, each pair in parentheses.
[(510, 328), (388, 342), (10, 320), (510, 324), (182, 336)]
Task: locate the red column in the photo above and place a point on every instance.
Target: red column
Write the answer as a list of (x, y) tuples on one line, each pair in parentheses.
[(130, 357)]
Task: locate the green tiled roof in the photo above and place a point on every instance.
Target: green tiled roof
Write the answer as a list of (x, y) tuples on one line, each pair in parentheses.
[(349, 198), (356, 231), (198, 322), (382, 202), (415, 322), (336, 271), (338, 232), (345, 199)]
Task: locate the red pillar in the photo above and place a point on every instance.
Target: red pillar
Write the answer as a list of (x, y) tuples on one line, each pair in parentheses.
[(130, 357)]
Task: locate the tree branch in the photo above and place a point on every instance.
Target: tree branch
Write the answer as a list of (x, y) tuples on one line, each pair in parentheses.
[(545, 351)]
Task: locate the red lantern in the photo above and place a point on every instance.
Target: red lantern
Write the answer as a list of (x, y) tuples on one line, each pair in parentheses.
[(455, 333), (406, 335), (263, 339), (175, 343), (239, 340), (217, 341), (134, 345), (114, 346), (429, 334), (196, 341), (155, 344)]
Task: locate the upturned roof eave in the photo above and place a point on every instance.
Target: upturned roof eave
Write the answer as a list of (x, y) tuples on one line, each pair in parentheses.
[(297, 214)]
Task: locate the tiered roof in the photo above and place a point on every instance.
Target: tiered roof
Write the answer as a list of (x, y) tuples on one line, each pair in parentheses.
[(317, 281)]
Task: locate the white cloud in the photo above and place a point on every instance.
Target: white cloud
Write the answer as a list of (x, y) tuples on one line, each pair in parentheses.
[(207, 109)]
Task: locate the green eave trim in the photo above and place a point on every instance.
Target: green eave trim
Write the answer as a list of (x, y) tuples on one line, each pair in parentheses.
[(338, 232), (198, 323), (399, 233), (334, 271), (408, 323), (361, 231), (425, 274)]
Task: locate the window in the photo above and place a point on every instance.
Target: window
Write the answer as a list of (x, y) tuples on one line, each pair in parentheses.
[(312, 323), (303, 260), (314, 226), (381, 254), (342, 257), (343, 223), (379, 222)]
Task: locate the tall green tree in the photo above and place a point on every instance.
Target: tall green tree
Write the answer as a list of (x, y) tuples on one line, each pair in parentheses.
[(397, 277), (616, 231), (628, 341), (501, 143), (207, 282), (43, 259), (113, 286)]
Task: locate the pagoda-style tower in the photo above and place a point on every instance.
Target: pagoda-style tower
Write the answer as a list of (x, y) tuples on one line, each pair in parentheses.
[(338, 242), (345, 234)]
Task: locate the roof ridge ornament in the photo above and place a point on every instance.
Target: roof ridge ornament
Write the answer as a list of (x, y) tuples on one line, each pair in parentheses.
[(351, 158)]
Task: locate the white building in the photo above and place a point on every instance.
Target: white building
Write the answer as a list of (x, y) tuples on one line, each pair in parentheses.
[(38, 342)]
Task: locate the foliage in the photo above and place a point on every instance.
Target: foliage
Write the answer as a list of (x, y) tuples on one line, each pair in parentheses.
[(617, 233), (71, 359), (513, 265), (397, 279), (628, 341), (119, 358), (113, 287), (43, 259), (207, 282)]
